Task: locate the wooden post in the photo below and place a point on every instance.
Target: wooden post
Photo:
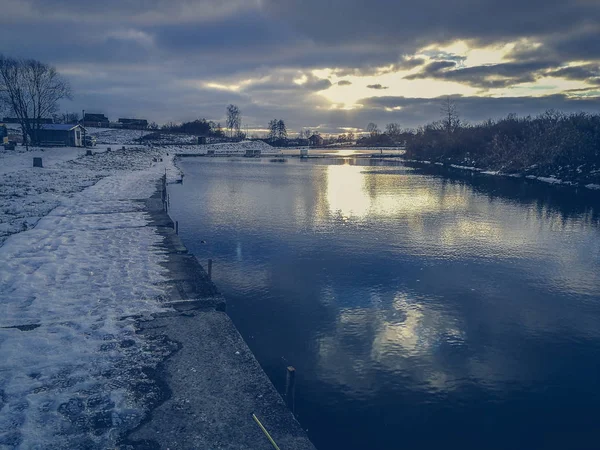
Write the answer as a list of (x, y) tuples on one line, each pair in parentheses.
[(290, 388), (210, 269), (89, 153), (176, 227), (37, 162)]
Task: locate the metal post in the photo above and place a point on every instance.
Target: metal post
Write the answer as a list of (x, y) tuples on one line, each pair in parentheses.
[(176, 227), (83, 126), (210, 269), (290, 388)]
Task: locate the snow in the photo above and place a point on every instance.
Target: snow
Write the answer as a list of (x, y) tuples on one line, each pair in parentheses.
[(472, 168), (229, 148), (72, 287), (116, 136), (593, 186)]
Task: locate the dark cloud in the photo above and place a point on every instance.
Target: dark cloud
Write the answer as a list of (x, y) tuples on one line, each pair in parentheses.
[(586, 72), (344, 83), (411, 24), (414, 111), (489, 76), (376, 86), (156, 57), (575, 45)]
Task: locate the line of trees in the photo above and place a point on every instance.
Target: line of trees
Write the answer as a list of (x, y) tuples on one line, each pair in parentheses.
[(392, 136), (552, 143), (199, 127), (30, 91)]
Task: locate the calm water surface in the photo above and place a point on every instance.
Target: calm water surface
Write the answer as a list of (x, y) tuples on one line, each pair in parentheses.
[(420, 312)]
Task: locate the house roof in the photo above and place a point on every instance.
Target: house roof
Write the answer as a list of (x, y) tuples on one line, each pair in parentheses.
[(58, 127), (95, 117)]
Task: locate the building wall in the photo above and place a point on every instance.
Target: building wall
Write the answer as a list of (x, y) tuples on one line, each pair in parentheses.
[(55, 136), (61, 137)]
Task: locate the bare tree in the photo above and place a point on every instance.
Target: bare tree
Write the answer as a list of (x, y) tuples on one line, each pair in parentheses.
[(449, 112), (350, 135), (281, 129), (234, 120), (31, 91), (272, 130), (393, 130), (372, 129)]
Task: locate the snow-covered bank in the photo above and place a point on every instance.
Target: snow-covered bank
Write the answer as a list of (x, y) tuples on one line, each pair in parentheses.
[(74, 373), (28, 193), (544, 179), (96, 298), (228, 148)]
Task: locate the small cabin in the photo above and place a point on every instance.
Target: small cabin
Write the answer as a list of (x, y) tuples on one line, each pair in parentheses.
[(315, 140), (61, 135)]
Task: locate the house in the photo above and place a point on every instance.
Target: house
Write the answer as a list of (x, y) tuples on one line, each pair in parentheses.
[(95, 120), (315, 140), (134, 124), (61, 135)]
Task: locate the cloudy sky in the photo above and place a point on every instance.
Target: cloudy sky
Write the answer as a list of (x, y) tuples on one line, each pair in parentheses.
[(326, 64)]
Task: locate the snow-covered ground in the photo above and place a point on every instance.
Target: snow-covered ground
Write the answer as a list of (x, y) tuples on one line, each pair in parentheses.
[(73, 372), (79, 268), (116, 136), (228, 148)]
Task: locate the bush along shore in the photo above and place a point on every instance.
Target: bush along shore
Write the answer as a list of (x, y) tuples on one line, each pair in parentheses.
[(552, 147)]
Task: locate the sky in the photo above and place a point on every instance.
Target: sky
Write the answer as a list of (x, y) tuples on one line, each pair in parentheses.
[(327, 65)]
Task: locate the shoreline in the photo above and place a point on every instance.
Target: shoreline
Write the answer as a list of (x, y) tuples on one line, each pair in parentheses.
[(107, 322), (212, 384), (549, 180)]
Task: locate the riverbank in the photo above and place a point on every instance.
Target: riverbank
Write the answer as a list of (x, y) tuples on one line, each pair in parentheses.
[(533, 173), (108, 325)]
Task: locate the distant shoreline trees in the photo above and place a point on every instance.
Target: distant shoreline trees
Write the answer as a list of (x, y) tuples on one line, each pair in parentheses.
[(277, 132), (555, 143), (199, 127)]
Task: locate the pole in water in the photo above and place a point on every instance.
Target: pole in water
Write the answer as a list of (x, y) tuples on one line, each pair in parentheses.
[(210, 269), (176, 227), (290, 388)]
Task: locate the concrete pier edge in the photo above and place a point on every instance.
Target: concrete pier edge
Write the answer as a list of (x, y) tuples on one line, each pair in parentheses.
[(212, 384)]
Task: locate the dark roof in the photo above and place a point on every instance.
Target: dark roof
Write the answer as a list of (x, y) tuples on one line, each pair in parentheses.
[(133, 121), (58, 127), (92, 117)]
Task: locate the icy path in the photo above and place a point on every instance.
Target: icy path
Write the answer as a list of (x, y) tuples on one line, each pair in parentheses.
[(73, 372)]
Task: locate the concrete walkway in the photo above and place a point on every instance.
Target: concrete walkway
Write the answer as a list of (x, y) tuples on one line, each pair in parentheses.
[(112, 336), (213, 383)]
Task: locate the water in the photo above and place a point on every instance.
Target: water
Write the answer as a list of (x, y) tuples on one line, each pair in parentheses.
[(419, 311)]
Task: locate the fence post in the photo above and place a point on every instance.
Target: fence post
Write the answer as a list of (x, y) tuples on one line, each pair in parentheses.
[(290, 388), (37, 162), (176, 227)]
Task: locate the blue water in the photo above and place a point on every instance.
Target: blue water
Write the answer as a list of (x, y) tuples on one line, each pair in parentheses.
[(420, 311)]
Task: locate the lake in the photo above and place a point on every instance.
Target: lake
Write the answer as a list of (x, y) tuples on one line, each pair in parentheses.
[(420, 311)]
